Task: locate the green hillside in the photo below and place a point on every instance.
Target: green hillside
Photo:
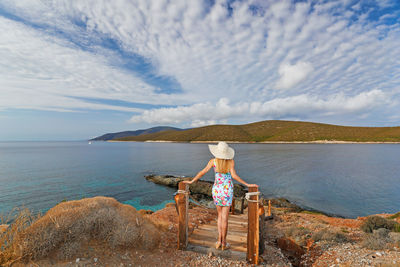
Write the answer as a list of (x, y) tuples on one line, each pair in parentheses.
[(276, 130)]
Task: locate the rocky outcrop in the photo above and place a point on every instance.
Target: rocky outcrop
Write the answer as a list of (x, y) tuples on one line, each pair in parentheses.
[(70, 226), (203, 188)]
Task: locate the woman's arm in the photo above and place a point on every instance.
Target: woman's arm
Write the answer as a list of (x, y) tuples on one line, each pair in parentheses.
[(236, 177), (201, 173)]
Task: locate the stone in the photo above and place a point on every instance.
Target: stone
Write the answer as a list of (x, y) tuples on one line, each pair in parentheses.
[(200, 187)]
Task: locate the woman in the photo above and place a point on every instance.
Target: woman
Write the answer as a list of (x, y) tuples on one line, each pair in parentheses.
[(222, 190)]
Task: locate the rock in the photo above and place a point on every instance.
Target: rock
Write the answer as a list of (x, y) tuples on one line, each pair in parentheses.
[(143, 212), (3, 227), (199, 189), (77, 260), (95, 259), (379, 254), (290, 249)]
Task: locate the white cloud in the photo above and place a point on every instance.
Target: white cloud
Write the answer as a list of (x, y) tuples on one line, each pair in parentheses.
[(198, 114), (328, 63), (293, 74), (47, 73), (299, 106)]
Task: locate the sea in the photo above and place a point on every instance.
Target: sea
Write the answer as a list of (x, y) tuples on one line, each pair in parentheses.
[(347, 180)]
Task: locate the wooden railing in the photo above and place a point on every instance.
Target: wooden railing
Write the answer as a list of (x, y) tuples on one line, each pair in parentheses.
[(255, 243), (182, 202), (253, 227)]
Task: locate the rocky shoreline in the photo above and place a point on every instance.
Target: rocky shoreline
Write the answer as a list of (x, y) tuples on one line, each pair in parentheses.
[(266, 142), (100, 231), (201, 192)]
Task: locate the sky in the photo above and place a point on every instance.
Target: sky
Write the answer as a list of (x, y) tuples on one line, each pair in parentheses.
[(73, 70)]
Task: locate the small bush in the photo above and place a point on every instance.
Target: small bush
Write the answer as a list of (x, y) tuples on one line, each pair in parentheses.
[(377, 240), (381, 233), (394, 216), (376, 222), (344, 230), (397, 228), (69, 226), (371, 242), (395, 238), (297, 231), (330, 236), (17, 220)]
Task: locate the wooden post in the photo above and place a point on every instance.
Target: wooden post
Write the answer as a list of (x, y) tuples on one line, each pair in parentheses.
[(261, 223), (253, 228), (269, 207), (233, 206), (183, 208), (242, 206)]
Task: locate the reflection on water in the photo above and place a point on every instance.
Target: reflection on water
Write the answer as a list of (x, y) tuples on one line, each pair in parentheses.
[(345, 179)]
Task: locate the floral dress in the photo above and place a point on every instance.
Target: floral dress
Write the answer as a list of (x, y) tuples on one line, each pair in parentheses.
[(222, 190)]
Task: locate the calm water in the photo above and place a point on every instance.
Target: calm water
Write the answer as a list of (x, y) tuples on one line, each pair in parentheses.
[(345, 179)]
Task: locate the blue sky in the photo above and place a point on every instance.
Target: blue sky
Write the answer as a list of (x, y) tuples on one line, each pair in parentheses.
[(73, 70)]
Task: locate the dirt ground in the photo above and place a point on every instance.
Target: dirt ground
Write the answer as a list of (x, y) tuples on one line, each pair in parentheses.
[(288, 242)]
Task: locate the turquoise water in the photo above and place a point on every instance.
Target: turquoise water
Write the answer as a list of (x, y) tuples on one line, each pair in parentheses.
[(346, 179)]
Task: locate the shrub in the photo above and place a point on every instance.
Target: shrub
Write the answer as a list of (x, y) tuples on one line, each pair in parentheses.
[(381, 233), (17, 220), (297, 231), (377, 240), (394, 216), (397, 228), (66, 228), (371, 242), (395, 238), (331, 236), (376, 222)]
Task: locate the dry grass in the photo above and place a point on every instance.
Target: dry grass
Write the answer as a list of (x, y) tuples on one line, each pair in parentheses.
[(330, 236), (14, 223), (298, 234), (375, 222), (379, 239), (394, 216), (67, 228)]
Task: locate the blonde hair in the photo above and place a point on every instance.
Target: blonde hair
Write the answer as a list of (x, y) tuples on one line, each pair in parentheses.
[(223, 165)]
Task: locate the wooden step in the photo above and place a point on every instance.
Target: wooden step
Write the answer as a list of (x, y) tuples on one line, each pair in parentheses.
[(211, 244), (231, 229)]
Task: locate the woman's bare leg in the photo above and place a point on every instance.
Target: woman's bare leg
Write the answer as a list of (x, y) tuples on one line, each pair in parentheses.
[(224, 215), (219, 210)]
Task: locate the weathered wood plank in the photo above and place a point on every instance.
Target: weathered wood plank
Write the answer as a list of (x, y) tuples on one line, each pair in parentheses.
[(235, 246), (231, 229), (202, 234), (253, 228), (183, 219), (207, 234)]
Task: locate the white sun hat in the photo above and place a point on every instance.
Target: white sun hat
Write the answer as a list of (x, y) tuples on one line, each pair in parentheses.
[(222, 151)]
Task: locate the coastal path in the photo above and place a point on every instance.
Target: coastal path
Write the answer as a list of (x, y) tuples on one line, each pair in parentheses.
[(245, 230)]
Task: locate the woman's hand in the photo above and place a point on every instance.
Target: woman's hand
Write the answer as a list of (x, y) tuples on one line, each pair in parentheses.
[(252, 185), (188, 182)]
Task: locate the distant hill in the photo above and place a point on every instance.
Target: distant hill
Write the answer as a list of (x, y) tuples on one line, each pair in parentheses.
[(111, 136), (275, 130)]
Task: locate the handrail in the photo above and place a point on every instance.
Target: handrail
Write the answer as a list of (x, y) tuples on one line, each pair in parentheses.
[(255, 210), (182, 205), (253, 229)]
